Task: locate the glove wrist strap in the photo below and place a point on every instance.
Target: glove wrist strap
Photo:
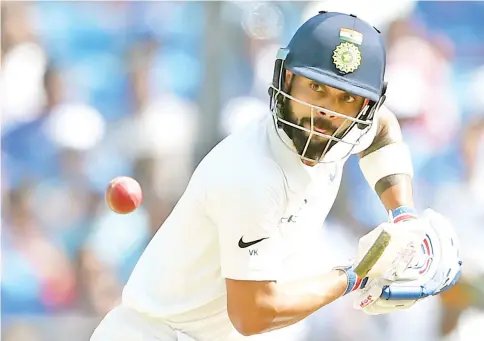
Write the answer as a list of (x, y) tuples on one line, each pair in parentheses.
[(402, 213), (353, 281)]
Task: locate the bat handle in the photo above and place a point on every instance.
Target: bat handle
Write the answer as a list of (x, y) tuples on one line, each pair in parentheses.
[(373, 254)]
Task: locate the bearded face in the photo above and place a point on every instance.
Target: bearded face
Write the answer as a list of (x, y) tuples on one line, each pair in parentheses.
[(324, 121)]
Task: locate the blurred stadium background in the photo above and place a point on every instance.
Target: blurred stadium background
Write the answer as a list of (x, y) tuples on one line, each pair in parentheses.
[(93, 90)]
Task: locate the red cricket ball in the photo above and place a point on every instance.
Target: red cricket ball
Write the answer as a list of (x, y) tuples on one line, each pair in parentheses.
[(123, 195)]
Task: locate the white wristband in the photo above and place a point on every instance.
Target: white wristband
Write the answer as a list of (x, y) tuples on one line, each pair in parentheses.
[(392, 159)]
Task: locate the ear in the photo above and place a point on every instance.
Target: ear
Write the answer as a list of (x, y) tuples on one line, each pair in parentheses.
[(365, 103), (288, 79)]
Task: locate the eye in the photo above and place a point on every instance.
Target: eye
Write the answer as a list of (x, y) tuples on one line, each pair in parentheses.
[(316, 87), (348, 98)]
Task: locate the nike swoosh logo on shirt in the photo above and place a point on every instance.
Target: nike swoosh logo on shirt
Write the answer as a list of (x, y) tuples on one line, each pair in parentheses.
[(243, 245)]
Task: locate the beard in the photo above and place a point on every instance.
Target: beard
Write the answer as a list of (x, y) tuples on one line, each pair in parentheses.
[(317, 144)]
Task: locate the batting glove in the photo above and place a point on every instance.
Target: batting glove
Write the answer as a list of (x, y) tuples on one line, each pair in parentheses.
[(355, 282), (436, 268)]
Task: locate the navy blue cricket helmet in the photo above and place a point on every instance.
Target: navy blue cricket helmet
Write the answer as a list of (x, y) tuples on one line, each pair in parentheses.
[(343, 52)]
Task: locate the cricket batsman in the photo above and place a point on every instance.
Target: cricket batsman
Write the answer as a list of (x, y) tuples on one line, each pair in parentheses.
[(222, 267)]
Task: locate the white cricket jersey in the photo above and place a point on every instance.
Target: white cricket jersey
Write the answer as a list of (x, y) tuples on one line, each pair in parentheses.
[(250, 187)]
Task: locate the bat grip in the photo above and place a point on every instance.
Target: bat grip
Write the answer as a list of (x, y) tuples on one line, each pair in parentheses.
[(373, 254)]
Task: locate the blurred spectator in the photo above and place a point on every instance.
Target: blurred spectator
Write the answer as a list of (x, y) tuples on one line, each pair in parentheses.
[(36, 274), (106, 266), (463, 202), (23, 63)]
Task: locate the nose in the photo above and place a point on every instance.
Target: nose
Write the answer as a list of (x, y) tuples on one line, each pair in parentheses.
[(327, 114)]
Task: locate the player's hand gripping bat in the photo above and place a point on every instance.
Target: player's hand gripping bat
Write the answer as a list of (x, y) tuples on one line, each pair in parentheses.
[(418, 270), (388, 250)]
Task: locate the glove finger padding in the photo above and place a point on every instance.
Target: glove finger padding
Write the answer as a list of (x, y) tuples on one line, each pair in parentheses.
[(384, 307), (370, 301), (438, 262), (369, 295)]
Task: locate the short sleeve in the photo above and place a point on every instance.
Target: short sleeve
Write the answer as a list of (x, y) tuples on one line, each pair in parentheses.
[(247, 216)]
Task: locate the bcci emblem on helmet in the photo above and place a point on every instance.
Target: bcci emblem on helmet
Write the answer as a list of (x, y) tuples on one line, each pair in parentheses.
[(346, 57)]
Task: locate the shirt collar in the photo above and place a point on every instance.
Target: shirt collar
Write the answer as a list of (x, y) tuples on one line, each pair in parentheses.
[(285, 154), (298, 175)]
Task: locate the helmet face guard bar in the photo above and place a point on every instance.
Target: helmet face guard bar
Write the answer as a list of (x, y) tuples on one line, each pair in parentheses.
[(341, 142)]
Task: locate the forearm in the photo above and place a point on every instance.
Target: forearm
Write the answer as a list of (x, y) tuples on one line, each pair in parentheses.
[(293, 301), (394, 189)]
